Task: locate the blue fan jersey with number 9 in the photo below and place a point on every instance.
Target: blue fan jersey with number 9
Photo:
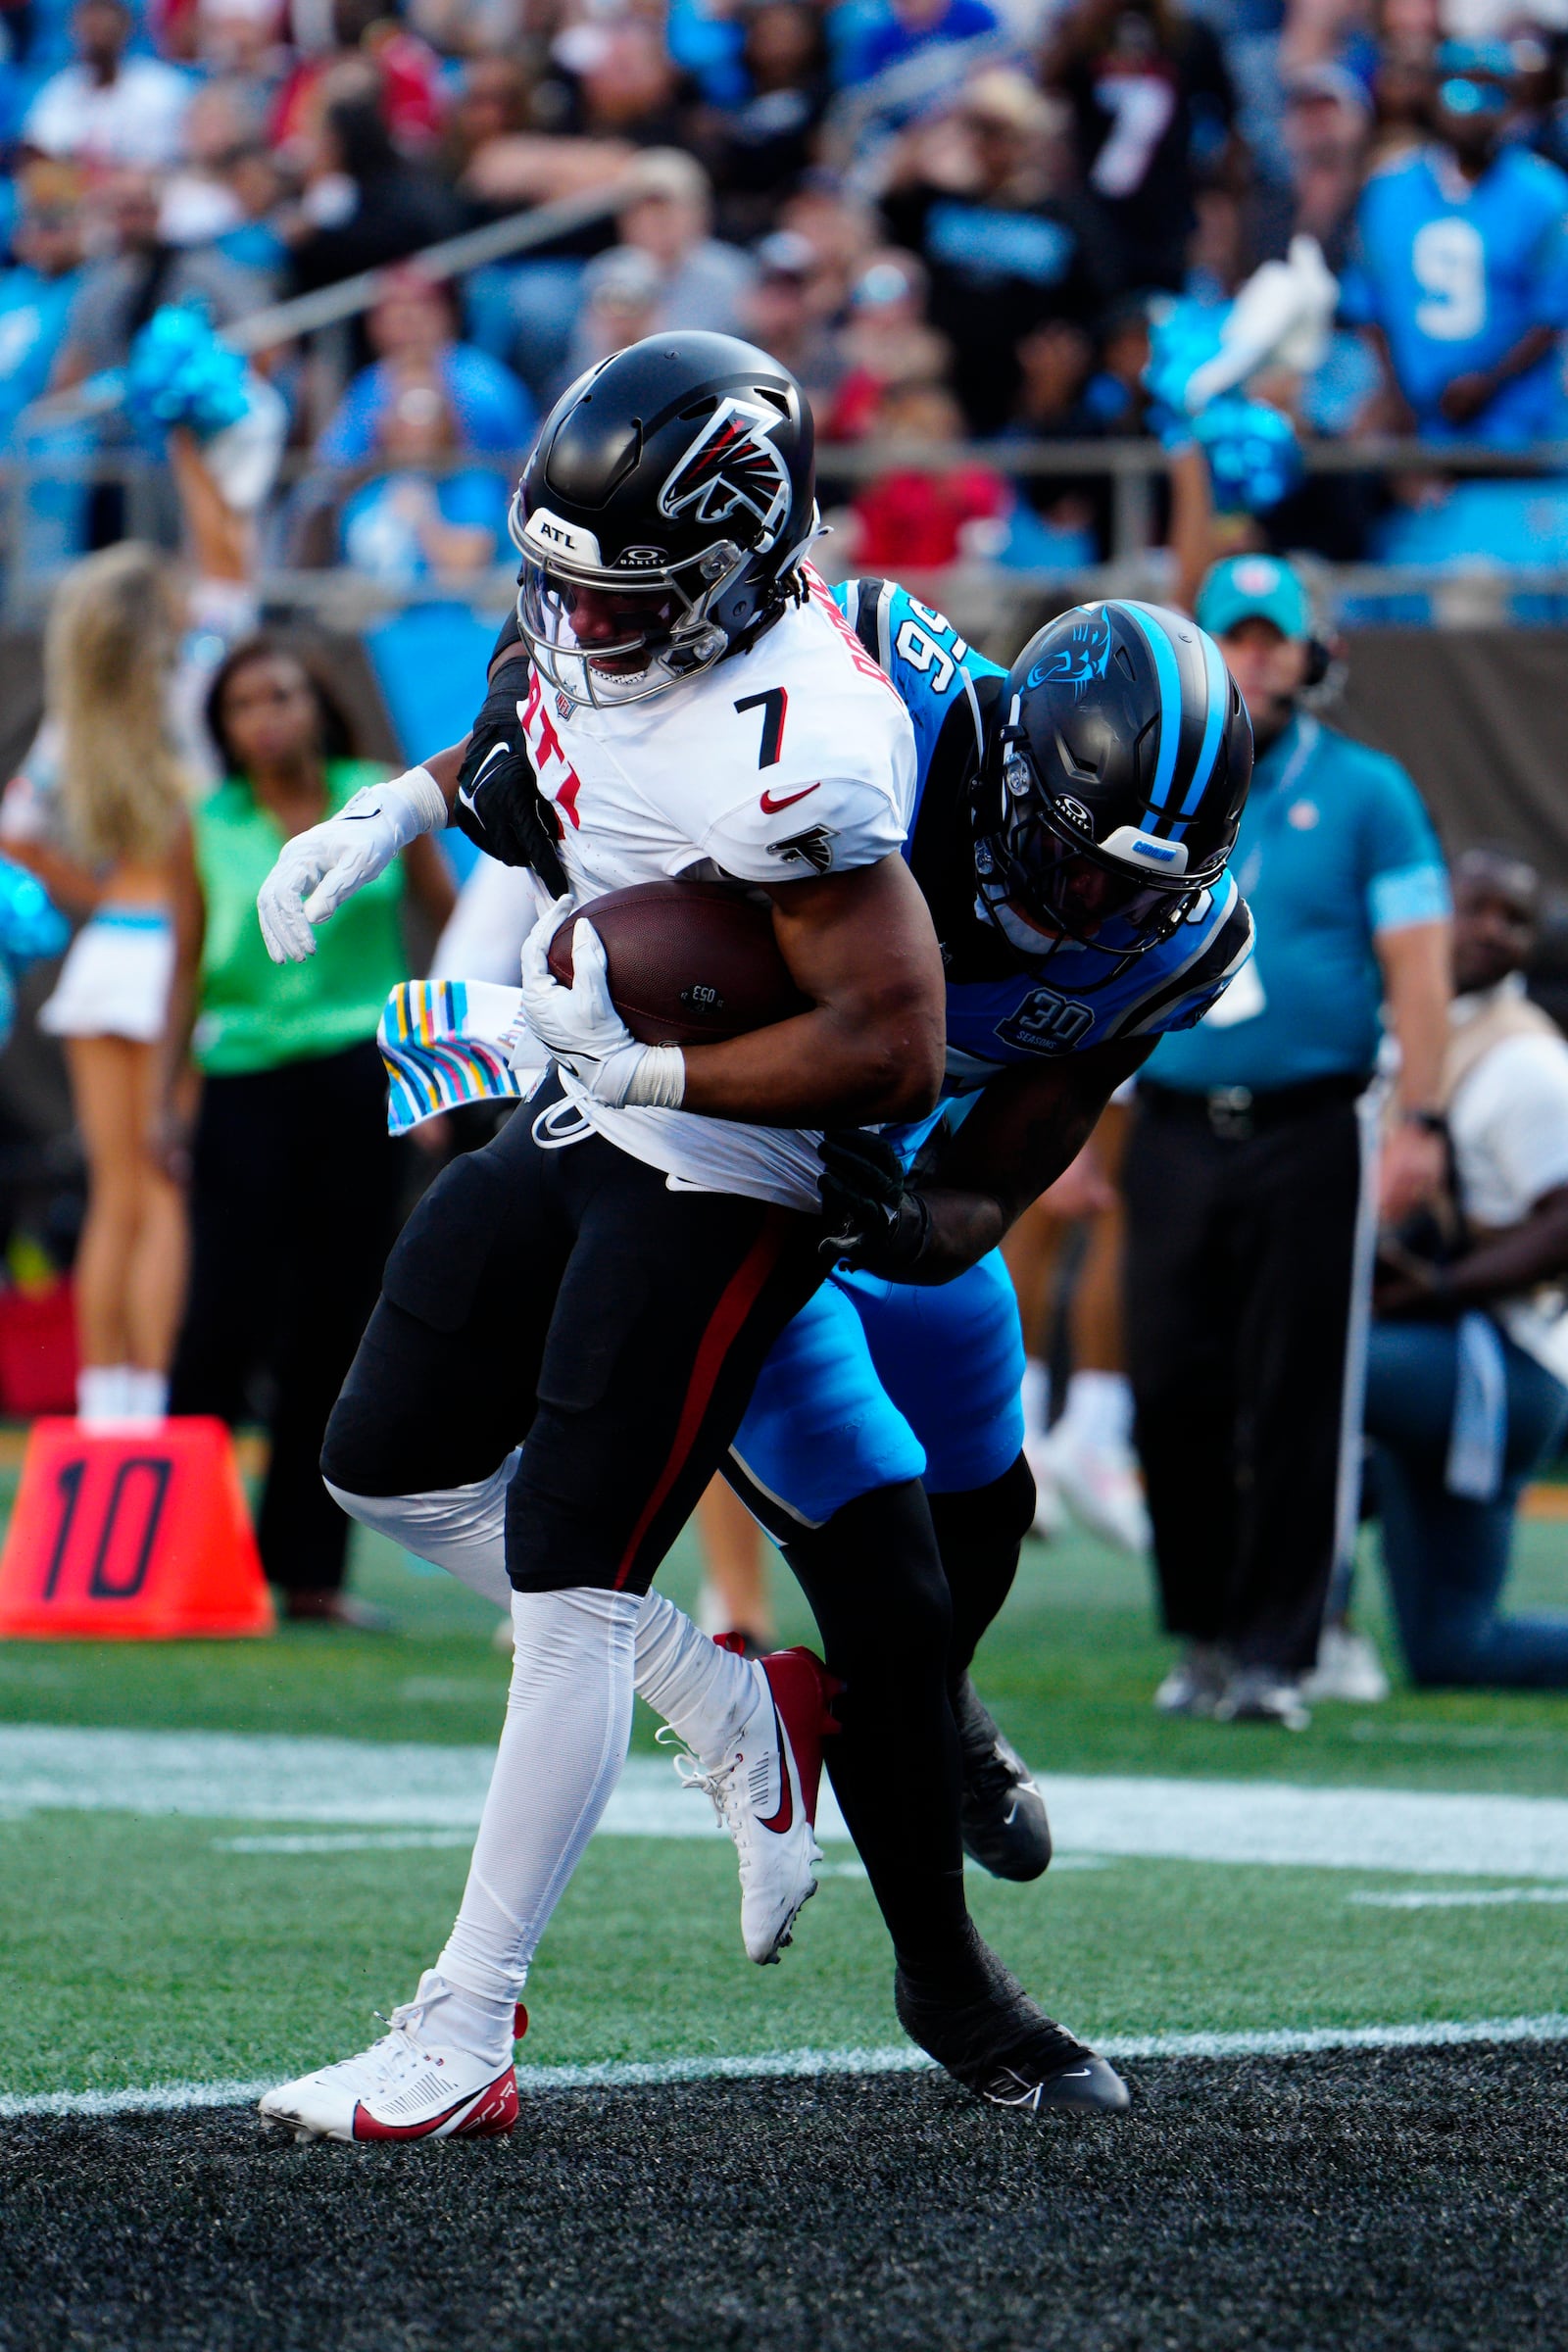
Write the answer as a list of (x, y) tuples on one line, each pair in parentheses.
[(876, 1382)]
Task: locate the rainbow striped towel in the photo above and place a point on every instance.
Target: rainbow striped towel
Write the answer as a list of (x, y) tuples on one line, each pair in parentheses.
[(448, 1041)]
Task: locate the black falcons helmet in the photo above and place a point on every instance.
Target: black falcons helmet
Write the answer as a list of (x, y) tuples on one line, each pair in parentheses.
[(673, 483), (1114, 785)]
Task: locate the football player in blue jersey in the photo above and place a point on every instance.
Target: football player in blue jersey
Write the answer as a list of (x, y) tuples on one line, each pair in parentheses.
[(1073, 819)]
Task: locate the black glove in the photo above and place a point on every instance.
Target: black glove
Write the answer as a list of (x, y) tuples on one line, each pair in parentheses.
[(876, 1221), (499, 804)]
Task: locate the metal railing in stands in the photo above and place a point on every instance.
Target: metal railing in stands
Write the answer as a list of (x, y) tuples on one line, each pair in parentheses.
[(332, 306)]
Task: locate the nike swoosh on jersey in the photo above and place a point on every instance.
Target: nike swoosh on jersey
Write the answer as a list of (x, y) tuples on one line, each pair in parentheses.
[(771, 807), (781, 1821)]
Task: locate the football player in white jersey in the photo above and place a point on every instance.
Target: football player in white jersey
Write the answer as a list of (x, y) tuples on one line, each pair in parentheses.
[(590, 1297)]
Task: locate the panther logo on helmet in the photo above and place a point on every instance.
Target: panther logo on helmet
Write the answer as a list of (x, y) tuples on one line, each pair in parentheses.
[(1085, 657), (731, 465)]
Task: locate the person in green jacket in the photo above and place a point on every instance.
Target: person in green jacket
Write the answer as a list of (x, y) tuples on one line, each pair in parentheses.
[(293, 1179)]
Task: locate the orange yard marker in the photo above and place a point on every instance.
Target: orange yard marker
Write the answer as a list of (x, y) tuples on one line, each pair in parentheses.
[(132, 1536)]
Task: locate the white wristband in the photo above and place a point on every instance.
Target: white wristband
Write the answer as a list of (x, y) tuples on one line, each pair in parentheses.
[(659, 1079), (424, 801)]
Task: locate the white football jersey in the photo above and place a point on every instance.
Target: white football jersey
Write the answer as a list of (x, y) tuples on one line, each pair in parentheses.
[(795, 759)]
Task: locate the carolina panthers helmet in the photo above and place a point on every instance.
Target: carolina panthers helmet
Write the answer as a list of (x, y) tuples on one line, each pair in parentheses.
[(1112, 789), (666, 502)]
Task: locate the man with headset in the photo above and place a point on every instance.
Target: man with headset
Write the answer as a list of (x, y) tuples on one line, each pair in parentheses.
[(1250, 1178)]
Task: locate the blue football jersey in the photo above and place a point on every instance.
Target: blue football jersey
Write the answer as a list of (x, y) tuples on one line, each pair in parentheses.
[(1455, 273), (1001, 1014)]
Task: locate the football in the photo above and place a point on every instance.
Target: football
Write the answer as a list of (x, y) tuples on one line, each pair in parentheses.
[(690, 962)]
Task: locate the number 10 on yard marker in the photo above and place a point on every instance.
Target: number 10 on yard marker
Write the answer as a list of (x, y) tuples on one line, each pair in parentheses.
[(133, 1535)]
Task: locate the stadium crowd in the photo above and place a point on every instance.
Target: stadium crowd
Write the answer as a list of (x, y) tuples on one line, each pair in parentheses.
[(1015, 226), (954, 220)]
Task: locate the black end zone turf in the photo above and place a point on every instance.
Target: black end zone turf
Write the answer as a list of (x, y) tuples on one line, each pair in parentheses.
[(1402, 2202)]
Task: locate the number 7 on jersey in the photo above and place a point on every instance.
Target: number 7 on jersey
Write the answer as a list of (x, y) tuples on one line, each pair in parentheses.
[(772, 705)]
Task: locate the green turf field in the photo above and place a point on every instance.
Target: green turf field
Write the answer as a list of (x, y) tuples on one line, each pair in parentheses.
[(146, 1949)]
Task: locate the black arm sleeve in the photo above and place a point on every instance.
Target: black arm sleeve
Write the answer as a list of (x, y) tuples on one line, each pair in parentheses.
[(511, 635), (499, 804)]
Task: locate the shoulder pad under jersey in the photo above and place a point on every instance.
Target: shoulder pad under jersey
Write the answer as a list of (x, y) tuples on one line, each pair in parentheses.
[(1180, 997)]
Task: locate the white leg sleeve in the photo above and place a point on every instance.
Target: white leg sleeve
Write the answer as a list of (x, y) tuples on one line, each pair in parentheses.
[(705, 1694), (460, 1528), (564, 1743)]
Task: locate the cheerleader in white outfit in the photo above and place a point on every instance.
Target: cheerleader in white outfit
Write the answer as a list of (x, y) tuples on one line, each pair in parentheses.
[(98, 815)]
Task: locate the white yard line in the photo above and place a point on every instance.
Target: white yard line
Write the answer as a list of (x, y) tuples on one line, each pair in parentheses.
[(368, 1785), (1455, 1900), (616, 2074)]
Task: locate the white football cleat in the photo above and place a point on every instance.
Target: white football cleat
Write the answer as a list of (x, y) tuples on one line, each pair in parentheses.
[(1100, 1487), (1348, 1668), (1051, 1512), (407, 2086), (765, 1793)]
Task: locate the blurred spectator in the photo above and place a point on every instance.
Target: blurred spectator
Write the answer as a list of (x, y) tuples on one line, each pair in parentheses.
[(492, 101), (364, 204), (1116, 397), (291, 1141), (702, 283), (620, 295), (401, 70), (617, 80), (734, 1600), (1154, 110), (241, 40), (141, 271), (1467, 1373), (758, 150), (1461, 274), (107, 108), (1327, 128), (884, 341), (410, 330), (1056, 362), (840, 228), (202, 204), (897, 58), (38, 291), (411, 522), (1247, 1178), (979, 196), (918, 516), (1084, 1461), (781, 317)]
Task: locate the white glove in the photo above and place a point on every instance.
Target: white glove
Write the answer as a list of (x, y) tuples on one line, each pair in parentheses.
[(581, 1026), (320, 868)]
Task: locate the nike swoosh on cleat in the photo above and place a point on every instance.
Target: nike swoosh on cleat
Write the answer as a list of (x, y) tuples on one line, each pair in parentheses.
[(770, 807), (783, 1819)]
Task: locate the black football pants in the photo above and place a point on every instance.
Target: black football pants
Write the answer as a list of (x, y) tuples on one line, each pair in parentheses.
[(561, 1298), (1240, 1263), (293, 1206)]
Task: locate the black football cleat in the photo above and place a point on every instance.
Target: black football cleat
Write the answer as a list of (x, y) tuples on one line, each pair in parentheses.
[(1003, 1814), (1010, 2052)]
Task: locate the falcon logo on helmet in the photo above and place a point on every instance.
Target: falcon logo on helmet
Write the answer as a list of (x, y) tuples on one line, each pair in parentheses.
[(732, 465)]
